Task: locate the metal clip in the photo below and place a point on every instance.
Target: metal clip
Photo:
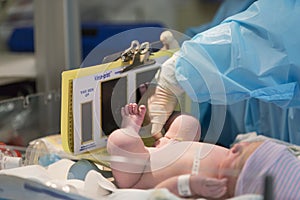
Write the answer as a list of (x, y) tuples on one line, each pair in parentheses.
[(137, 54), (129, 53)]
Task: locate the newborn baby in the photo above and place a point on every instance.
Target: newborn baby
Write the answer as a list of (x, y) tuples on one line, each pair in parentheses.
[(186, 168)]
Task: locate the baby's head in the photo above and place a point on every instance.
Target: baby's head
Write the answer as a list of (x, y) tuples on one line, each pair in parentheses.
[(234, 162)]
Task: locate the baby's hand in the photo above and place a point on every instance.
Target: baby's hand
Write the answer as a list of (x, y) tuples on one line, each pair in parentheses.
[(209, 187)]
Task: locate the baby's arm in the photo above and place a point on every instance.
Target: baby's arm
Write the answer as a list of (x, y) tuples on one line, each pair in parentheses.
[(195, 186)]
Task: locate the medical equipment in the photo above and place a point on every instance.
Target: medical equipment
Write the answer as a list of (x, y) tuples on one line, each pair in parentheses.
[(38, 152), (8, 162), (92, 97)]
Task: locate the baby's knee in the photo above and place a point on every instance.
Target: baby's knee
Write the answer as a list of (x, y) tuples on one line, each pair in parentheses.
[(114, 141), (121, 142)]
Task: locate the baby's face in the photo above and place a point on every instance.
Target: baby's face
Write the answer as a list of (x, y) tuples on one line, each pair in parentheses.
[(235, 156), (232, 165)]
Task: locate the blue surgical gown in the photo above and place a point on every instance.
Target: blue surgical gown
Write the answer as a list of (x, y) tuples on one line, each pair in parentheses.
[(250, 64)]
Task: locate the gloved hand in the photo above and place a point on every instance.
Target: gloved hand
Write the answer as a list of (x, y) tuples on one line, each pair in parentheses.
[(160, 106), (168, 40), (161, 97)]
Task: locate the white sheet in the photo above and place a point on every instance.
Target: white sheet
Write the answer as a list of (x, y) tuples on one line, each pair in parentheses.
[(37, 182)]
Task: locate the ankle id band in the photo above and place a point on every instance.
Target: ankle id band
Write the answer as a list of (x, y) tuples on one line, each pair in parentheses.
[(183, 185)]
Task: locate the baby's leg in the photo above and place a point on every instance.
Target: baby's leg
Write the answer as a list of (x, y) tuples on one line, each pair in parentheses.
[(127, 144), (184, 127)]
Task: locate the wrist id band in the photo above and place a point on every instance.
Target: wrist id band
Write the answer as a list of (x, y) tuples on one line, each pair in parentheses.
[(183, 185)]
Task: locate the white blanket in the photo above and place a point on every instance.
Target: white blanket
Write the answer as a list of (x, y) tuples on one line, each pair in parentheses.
[(37, 182)]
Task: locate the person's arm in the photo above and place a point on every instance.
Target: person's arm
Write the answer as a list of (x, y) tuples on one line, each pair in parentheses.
[(160, 107), (195, 186), (162, 98)]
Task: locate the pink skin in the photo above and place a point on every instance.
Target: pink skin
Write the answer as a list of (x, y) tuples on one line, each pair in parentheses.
[(133, 116), (127, 143), (232, 165)]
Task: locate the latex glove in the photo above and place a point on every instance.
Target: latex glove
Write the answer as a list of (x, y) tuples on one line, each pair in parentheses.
[(161, 98), (162, 103), (168, 40), (160, 106)]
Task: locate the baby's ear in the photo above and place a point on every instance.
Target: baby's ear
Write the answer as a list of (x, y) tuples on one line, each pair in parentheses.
[(237, 149)]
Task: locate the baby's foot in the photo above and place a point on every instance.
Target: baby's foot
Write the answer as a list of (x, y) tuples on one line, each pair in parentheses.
[(133, 116)]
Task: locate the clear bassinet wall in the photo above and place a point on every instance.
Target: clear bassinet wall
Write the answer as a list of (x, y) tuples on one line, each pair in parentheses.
[(23, 119)]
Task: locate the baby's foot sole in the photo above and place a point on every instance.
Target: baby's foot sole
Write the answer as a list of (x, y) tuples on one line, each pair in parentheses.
[(133, 116)]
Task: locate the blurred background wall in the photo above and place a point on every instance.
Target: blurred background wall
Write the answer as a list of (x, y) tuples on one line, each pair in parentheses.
[(40, 38)]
